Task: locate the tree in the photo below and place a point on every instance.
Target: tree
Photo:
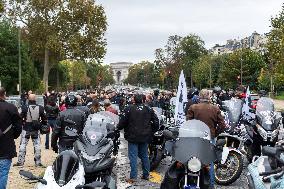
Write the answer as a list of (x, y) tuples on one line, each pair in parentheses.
[(100, 75), (275, 48), (179, 53), (251, 63), (9, 67), (191, 48), (57, 30)]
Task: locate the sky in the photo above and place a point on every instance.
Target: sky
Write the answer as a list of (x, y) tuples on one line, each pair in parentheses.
[(137, 27)]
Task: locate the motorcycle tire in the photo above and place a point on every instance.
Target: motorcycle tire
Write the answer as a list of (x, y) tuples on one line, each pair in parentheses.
[(236, 174), (156, 158)]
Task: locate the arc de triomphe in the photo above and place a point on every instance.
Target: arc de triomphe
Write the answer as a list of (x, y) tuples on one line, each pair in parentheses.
[(120, 71)]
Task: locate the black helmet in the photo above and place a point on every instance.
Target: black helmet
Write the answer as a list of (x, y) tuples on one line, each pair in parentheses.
[(156, 92), (193, 91), (71, 100)]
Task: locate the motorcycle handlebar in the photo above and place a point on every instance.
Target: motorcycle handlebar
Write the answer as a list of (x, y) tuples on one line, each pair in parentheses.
[(275, 171)]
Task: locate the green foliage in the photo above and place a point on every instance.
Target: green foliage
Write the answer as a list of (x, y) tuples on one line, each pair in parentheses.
[(251, 63), (100, 75), (58, 30), (144, 73), (9, 67)]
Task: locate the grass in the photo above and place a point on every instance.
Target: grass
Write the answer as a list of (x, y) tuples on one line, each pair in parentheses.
[(280, 96)]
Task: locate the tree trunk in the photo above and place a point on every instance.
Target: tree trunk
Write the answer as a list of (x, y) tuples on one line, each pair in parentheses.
[(46, 69)]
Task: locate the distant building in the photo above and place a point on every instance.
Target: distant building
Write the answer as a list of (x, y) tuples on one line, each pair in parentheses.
[(255, 42), (120, 71)]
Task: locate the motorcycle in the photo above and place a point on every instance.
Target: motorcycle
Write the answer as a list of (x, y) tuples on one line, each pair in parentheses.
[(89, 164), (157, 146), (229, 166), (267, 125), (192, 152), (267, 170)]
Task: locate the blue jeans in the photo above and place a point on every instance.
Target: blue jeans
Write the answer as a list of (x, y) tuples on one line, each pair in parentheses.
[(211, 171), (51, 123), (140, 150), (5, 165)]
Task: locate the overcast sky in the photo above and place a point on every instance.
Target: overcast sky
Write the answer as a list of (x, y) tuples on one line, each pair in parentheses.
[(137, 27)]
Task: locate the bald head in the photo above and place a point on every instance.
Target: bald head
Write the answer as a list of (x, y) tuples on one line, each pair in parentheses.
[(32, 97)]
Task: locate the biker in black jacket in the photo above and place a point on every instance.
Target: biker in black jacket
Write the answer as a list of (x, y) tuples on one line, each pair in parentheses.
[(73, 114), (139, 123), (10, 127), (52, 111)]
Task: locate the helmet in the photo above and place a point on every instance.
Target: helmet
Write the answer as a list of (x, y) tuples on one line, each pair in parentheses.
[(217, 90), (156, 92), (71, 100), (193, 91)]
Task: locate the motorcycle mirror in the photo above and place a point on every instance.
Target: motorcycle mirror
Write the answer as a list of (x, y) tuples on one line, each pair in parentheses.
[(168, 135), (220, 142), (269, 151), (27, 175)]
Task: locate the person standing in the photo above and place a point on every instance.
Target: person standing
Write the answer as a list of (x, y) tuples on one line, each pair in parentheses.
[(139, 123), (10, 129), (52, 111), (71, 114), (211, 116), (33, 117)]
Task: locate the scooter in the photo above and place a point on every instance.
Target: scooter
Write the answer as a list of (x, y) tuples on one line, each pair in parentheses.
[(89, 164), (266, 171)]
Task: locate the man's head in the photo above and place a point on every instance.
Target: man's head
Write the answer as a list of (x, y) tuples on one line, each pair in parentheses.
[(32, 97), (107, 103), (2, 93), (71, 100), (138, 99), (204, 95)]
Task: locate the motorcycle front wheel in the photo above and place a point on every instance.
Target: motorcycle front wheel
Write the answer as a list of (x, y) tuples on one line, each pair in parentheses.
[(155, 156), (229, 172)]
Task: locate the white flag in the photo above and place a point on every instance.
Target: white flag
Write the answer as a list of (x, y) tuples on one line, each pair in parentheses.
[(246, 106), (181, 100)]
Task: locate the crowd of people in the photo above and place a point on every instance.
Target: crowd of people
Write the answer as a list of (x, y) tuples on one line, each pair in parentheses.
[(137, 119)]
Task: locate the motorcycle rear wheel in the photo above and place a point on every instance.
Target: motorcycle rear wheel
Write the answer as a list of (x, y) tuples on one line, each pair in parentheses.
[(220, 170)]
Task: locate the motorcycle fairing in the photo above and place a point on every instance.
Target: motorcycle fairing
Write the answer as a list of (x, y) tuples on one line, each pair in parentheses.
[(77, 179), (65, 166)]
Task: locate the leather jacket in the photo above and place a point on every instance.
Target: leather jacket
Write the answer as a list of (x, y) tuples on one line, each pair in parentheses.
[(51, 111), (73, 114)]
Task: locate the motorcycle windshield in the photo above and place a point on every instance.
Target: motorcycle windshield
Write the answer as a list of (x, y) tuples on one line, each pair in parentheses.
[(265, 113), (100, 123), (65, 166), (112, 116), (194, 140), (234, 109)]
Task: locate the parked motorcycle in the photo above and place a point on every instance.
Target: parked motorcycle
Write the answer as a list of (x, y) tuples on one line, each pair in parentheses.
[(157, 146), (229, 166), (89, 165), (192, 151), (266, 127), (266, 171)]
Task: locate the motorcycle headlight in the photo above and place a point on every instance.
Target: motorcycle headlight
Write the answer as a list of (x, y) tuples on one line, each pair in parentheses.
[(194, 165), (262, 132), (91, 158)]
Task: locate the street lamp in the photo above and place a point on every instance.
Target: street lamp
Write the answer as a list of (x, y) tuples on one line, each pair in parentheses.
[(20, 61)]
